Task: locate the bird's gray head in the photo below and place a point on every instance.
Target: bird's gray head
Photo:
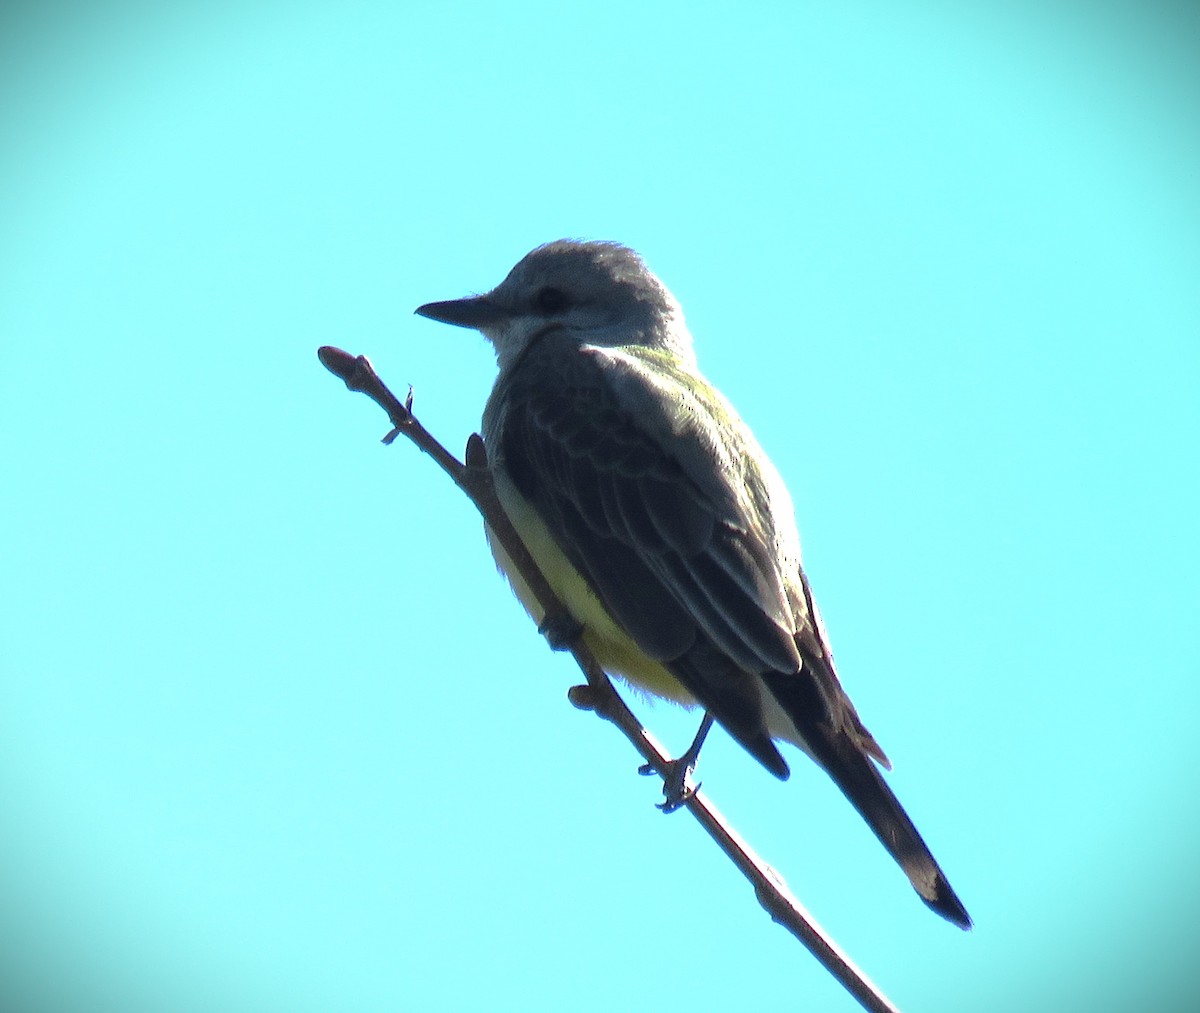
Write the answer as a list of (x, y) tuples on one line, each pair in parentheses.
[(601, 293)]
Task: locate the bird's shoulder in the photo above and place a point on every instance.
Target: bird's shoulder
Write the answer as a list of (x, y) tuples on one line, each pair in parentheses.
[(634, 407)]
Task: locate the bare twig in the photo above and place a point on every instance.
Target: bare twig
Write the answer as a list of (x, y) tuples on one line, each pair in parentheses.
[(474, 478)]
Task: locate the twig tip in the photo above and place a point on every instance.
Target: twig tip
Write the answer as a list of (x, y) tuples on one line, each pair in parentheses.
[(476, 453), (583, 697), (340, 363)]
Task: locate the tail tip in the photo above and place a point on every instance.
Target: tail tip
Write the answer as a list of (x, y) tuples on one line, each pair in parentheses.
[(946, 903)]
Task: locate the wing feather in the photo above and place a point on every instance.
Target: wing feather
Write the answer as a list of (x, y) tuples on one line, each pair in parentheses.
[(615, 486)]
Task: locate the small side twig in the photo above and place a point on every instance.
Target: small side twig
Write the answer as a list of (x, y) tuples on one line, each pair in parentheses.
[(474, 478)]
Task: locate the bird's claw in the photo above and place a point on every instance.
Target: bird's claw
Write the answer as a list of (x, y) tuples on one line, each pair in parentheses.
[(669, 805), (677, 774), (677, 784)]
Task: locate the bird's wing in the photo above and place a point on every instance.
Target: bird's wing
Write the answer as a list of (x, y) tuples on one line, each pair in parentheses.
[(646, 491), (655, 492)]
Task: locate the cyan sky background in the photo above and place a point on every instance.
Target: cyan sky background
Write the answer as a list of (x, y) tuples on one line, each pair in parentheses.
[(273, 734)]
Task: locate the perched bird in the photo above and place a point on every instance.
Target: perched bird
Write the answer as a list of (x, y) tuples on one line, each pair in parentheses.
[(661, 524)]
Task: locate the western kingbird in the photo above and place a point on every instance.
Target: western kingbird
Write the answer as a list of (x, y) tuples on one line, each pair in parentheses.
[(661, 524)]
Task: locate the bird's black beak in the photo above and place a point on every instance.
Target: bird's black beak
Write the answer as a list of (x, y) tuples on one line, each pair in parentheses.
[(477, 312)]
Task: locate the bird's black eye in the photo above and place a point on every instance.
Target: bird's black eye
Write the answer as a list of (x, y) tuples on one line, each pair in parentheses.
[(551, 300)]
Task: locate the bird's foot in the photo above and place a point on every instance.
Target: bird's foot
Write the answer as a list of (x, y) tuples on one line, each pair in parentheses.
[(677, 774), (677, 783), (562, 631)]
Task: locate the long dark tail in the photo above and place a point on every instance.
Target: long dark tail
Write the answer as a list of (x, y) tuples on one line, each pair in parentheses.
[(863, 784), (841, 753)]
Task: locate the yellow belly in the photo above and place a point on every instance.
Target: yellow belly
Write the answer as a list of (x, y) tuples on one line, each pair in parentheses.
[(614, 650)]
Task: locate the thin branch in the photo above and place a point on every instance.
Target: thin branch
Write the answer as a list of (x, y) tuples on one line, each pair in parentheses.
[(474, 478)]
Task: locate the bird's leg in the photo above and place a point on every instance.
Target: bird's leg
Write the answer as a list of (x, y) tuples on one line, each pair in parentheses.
[(677, 778), (561, 630)]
